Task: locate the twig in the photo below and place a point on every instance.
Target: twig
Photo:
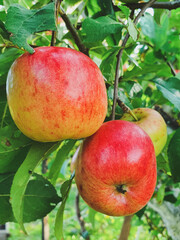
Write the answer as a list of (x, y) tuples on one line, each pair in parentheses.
[(79, 217), (57, 6), (170, 121), (158, 5), (170, 65), (126, 228), (74, 33), (119, 56)]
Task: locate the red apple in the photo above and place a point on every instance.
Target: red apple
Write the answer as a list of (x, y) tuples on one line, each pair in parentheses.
[(56, 93), (115, 171), (152, 123)]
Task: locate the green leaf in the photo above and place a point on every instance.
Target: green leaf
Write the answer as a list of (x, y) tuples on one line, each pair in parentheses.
[(121, 95), (91, 216), (125, 10), (145, 69), (22, 22), (170, 90), (65, 189), (98, 29), (36, 154), (156, 33), (13, 149), (39, 199), (161, 193), (132, 29), (59, 160), (6, 59), (6, 214), (108, 64), (174, 156), (98, 8), (175, 19), (140, 213), (43, 195)]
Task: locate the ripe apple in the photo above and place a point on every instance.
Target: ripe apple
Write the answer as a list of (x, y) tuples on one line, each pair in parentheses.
[(115, 171), (56, 93), (152, 123)]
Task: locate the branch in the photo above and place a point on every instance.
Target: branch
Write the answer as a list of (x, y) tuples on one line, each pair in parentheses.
[(170, 121), (126, 228), (160, 5), (74, 33), (54, 33), (119, 56), (80, 219)]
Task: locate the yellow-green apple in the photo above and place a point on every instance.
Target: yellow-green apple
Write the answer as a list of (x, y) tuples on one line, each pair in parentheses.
[(56, 93), (152, 123), (115, 171)]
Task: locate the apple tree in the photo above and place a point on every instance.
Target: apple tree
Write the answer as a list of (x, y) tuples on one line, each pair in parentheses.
[(136, 47)]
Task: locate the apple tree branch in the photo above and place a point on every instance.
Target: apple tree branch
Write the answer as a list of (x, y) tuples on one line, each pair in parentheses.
[(74, 33), (119, 56), (158, 5)]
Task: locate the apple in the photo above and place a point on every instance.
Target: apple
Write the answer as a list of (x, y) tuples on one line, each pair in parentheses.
[(56, 93), (115, 171), (152, 123)]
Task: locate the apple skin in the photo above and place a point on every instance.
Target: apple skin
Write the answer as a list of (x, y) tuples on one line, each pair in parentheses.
[(56, 93), (152, 123), (115, 171)]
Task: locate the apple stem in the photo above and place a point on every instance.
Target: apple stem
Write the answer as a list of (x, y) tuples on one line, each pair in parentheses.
[(126, 109), (120, 188)]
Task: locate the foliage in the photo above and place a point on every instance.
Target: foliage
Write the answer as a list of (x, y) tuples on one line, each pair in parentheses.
[(149, 78)]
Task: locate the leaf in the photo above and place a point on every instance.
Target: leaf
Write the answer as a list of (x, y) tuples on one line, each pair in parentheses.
[(22, 22), (36, 154), (108, 64), (125, 10), (65, 189), (132, 29), (6, 214), (91, 216), (133, 60), (98, 29), (170, 90), (140, 213), (98, 8), (156, 33), (121, 95), (174, 156), (161, 193), (39, 199), (145, 69), (13, 149), (59, 160), (6, 59)]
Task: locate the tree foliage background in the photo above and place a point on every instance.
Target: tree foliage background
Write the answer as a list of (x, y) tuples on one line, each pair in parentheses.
[(138, 53)]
